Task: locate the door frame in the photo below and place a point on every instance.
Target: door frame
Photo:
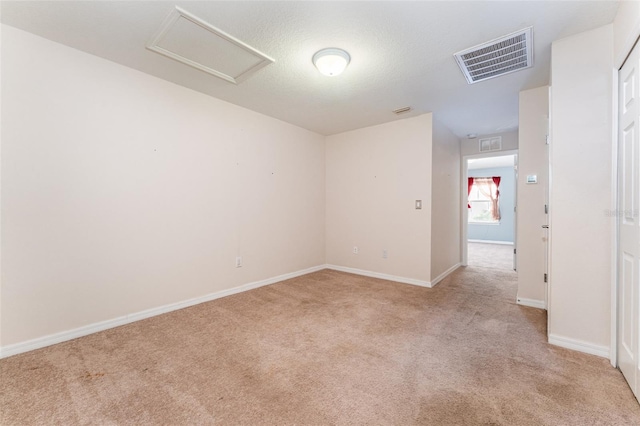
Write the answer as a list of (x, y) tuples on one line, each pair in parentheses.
[(630, 43), (464, 198), (613, 351)]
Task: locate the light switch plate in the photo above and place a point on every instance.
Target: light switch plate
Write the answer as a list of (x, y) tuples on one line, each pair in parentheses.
[(532, 178), (418, 204)]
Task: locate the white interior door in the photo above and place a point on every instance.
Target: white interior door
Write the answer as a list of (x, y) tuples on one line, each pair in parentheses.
[(629, 226)]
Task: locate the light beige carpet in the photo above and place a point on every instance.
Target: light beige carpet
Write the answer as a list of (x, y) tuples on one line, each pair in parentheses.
[(326, 348), (497, 256)]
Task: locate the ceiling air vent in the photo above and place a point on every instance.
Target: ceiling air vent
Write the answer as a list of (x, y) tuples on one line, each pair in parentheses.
[(402, 110), (490, 144), (504, 55)]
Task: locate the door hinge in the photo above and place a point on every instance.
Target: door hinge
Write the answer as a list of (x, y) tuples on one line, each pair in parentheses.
[(546, 209), (545, 278), (514, 251)]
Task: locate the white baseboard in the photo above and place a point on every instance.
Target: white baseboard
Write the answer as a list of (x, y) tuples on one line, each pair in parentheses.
[(63, 336), (506, 243), (443, 275), (532, 303), (380, 275), (579, 345)]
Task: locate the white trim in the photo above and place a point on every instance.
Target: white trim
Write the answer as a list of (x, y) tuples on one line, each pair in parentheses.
[(579, 345), (63, 336), (443, 275), (490, 154), (549, 245), (614, 222), (506, 243), (464, 213), (380, 275), (532, 303)]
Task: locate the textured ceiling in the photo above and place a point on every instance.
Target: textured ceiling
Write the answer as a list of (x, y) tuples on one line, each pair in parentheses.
[(401, 53)]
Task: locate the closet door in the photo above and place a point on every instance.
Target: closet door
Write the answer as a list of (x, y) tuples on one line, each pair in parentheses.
[(629, 226)]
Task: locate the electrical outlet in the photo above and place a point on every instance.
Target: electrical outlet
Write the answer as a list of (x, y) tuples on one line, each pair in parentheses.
[(355, 249), (238, 261), (385, 254)]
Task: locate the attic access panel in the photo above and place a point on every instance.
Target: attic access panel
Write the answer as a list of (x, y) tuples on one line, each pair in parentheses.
[(504, 55), (194, 42)]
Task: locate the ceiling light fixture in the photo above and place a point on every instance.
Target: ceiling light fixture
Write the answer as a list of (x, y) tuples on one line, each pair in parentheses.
[(331, 61)]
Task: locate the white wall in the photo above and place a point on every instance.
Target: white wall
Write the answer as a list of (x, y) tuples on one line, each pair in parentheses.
[(471, 147), (626, 29), (445, 207), (374, 176), (122, 192), (532, 160), (581, 190)]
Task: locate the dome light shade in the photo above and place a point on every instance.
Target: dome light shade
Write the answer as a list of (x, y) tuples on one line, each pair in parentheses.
[(331, 61)]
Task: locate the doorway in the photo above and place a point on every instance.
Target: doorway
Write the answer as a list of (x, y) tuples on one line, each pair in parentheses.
[(489, 221), (628, 250)]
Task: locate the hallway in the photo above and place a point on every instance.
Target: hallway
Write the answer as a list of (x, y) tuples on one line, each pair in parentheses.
[(496, 256)]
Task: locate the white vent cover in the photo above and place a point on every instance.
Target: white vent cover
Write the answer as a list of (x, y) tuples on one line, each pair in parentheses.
[(194, 42), (504, 55), (490, 144), (402, 110)]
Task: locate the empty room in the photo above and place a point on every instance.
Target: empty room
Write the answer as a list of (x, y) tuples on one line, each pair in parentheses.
[(300, 212)]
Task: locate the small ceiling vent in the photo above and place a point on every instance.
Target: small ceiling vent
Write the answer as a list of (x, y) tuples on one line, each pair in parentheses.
[(490, 144), (504, 55), (402, 110)]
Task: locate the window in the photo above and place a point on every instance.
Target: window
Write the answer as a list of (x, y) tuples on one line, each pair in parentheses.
[(483, 199)]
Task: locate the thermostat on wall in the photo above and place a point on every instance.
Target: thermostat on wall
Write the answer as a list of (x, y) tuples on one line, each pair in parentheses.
[(532, 178)]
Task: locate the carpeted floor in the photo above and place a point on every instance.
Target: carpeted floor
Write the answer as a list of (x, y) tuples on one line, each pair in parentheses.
[(498, 256), (326, 348)]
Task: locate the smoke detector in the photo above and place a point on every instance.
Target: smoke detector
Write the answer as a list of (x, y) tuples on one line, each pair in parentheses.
[(504, 55)]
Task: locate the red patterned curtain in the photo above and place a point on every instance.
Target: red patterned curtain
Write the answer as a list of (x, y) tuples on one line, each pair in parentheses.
[(489, 188), (495, 210)]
